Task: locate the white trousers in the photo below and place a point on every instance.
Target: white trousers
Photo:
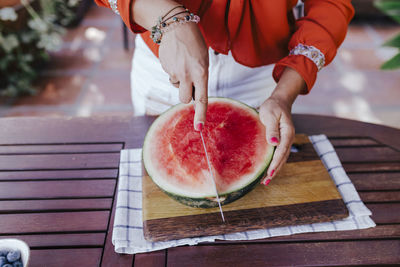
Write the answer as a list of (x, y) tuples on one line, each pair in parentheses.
[(152, 93)]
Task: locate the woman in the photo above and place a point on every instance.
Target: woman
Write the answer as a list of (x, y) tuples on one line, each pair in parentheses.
[(229, 53)]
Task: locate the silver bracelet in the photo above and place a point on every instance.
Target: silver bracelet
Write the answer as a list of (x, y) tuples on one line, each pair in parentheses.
[(162, 27)]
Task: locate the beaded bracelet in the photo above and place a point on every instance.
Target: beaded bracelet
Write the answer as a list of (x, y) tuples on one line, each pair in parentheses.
[(163, 25), (173, 16), (172, 9)]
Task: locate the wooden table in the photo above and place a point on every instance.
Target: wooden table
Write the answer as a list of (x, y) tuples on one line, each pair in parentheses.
[(58, 180)]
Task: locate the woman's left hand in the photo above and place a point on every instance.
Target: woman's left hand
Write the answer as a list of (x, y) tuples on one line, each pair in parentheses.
[(275, 114)]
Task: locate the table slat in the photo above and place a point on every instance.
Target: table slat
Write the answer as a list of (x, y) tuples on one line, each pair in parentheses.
[(57, 189), (54, 204), (372, 167), (53, 222), (60, 148), (352, 141), (101, 129), (387, 231), (151, 259), (376, 181), (368, 154), (109, 257), (61, 240), (58, 174), (392, 196), (65, 257), (287, 254), (385, 213), (59, 161)]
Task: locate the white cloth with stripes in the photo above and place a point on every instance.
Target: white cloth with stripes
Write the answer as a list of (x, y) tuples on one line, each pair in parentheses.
[(152, 93), (128, 232)]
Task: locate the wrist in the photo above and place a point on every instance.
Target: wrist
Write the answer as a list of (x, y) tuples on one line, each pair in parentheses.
[(165, 25), (147, 13), (290, 85)]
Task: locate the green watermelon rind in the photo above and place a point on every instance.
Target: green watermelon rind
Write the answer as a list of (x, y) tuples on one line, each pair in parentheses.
[(211, 201)]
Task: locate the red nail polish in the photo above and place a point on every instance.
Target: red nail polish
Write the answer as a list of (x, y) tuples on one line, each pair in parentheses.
[(274, 140), (267, 182), (199, 126), (272, 173)]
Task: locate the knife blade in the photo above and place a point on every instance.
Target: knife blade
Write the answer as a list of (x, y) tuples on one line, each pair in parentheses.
[(212, 175)]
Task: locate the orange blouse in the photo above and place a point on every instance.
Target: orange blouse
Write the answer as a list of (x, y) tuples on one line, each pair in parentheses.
[(262, 32)]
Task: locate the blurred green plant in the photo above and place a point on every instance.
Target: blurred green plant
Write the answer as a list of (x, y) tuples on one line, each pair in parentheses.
[(24, 50), (64, 11), (392, 9)]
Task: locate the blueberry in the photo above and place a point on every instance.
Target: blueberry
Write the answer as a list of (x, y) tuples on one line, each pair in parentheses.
[(17, 264), (3, 260), (3, 252), (7, 265), (13, 255)]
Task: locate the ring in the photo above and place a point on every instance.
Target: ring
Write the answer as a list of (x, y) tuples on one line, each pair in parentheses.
[(174, 83)]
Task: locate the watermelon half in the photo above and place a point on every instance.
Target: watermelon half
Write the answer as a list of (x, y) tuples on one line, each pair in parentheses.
[(174, 157)]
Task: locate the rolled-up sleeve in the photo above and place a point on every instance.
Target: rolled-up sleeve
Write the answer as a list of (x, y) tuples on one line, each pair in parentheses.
[(124, 9), (316, 39)]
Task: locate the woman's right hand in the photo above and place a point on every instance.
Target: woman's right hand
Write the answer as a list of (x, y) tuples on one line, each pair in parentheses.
[(184, 56), (183, 53)]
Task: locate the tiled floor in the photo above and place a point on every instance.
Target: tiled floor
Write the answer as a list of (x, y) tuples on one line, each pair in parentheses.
[(90, 76)]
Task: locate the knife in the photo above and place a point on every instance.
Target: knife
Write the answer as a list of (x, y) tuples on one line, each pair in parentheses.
[(209, 163), (212, 175)]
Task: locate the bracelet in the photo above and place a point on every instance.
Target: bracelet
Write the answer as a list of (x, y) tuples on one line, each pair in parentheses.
[(163, 25), (166, 14), (173, 16)]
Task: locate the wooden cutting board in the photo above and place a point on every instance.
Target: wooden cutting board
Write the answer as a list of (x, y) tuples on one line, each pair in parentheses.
[(302, 192)]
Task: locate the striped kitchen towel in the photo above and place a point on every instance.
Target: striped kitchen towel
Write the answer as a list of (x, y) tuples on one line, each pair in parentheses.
[(128, 225)]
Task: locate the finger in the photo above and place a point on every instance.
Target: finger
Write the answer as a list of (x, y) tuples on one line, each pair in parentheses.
[(174, 81), (279, 156), (271, 123), (201, 101), (173, 78), (281, 164), (282, 152), (283, 149), (185, 91)]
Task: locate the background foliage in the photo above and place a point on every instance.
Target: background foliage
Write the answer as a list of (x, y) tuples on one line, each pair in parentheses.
[(392, 9), (27, 35)]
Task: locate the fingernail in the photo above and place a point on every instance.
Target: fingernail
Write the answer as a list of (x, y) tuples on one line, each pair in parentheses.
[(265, 181), (199, 126), (274, 140), (272, 173)]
